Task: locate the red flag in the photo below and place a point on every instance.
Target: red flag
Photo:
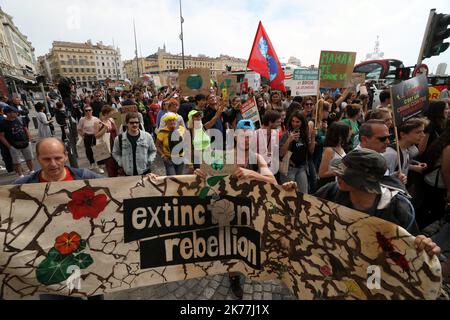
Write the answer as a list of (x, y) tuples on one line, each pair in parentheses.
[(264, 60)]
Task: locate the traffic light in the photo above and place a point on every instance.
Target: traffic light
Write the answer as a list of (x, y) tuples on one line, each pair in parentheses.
[(402, 73), (438, 32)]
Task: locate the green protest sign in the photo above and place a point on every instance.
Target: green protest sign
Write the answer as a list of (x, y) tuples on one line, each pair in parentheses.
[(336, 69)]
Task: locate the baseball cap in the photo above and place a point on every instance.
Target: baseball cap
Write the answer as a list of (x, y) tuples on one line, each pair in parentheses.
[(194, 113), (362, 169), (9, 108), (245, 124)]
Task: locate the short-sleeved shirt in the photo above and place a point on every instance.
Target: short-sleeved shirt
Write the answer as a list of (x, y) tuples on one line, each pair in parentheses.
[(392, 162), (15, 133), (299, 151)]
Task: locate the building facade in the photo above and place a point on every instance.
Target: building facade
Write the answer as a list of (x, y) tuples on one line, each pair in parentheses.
[(17, 58), (441, 69), (108, 62), (163, 62), (43, 67), (87, 63)]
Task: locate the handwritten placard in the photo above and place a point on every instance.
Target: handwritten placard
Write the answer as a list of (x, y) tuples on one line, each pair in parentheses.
[(336, 69)]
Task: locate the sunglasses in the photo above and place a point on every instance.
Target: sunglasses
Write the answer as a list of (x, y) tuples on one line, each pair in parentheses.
[(383, 139), (309, 104), (88, 110), (133, 122)]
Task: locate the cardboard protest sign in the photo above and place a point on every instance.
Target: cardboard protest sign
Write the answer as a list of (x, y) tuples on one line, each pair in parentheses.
[(228, 83), (129, 109), (194, 81), (119, 85), (336, 69), (410, 98), (249, 110), (243, 86), (304, 82), (133, 232), (118, 119), (358, 79)]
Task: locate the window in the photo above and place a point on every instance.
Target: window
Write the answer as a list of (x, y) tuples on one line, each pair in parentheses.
[(82, 70), (70, 70), (76, 70), (104, 71), (64, 70), (99, 71), (103, 64), (372, 70), (78, 79)]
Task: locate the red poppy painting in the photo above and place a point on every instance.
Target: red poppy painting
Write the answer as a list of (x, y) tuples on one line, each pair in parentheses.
[(67, 243), (86, 204)]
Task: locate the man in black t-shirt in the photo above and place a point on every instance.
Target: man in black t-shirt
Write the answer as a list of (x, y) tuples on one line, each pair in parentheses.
[(17, 138)]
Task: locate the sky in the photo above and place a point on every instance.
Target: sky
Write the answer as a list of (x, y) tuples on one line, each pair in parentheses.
[(298, 28)]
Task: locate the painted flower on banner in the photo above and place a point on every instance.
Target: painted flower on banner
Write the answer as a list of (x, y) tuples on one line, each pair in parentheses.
[(68, 243), (86, 204), (222, 212), (66, 254), (326, 271)]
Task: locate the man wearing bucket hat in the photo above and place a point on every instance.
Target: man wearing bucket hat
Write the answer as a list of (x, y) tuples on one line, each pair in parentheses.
[(359, 187)]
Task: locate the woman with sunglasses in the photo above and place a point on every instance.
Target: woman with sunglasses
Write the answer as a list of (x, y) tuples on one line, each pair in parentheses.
[(86, 129)]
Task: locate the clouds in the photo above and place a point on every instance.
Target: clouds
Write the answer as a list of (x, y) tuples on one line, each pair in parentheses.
[(296, 28)]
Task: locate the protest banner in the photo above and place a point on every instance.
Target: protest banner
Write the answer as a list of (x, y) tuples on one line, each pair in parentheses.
[(358, 80), (305, 82), (410, 98), (194, 81), (229, 83), (336, 69), (119, 85), (243, 86), (249, 111), (118, 119), (132, 232)]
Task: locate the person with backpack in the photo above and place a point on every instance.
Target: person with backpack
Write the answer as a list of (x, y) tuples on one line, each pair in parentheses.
[(134, 150), (359, 187)]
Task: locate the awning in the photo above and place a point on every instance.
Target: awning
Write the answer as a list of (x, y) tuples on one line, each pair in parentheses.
[(19, 78)]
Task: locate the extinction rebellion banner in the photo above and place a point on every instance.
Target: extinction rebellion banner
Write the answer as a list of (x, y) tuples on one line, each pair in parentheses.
[(84, 238)]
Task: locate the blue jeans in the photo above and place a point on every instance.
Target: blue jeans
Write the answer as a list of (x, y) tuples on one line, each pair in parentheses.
[(298, 175), (173, 169)]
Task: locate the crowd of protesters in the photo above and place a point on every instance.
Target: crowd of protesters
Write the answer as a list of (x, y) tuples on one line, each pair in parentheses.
[(337, 146)]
